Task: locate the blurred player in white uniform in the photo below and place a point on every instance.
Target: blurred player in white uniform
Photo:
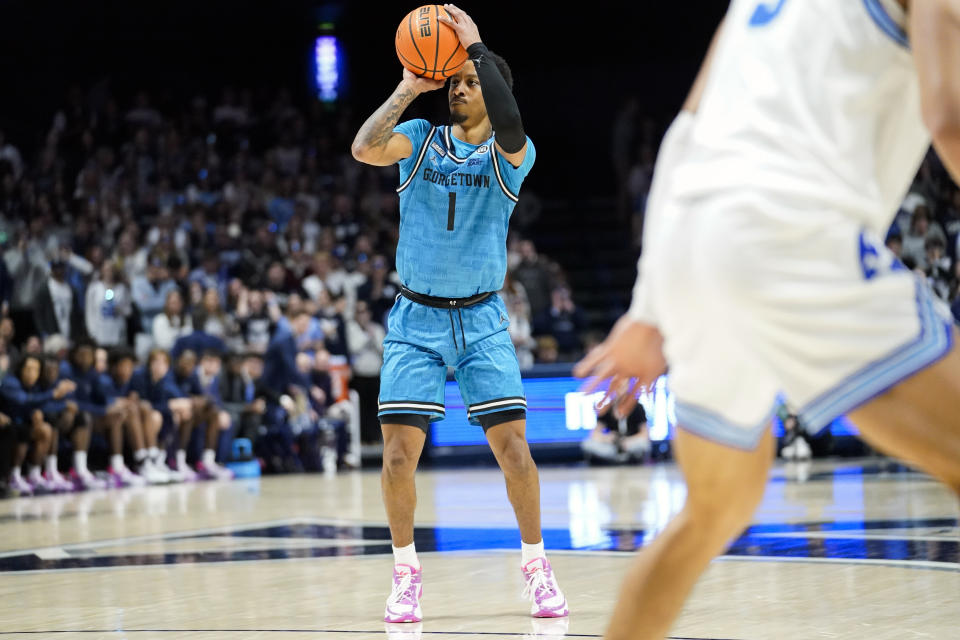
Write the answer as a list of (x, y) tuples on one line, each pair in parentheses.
[(764, 269)]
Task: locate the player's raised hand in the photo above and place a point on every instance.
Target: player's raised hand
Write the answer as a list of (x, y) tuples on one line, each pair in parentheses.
[(630, 358), (463, 24), (421, 85)]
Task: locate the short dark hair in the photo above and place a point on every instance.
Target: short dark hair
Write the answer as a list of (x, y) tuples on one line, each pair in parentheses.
[(118, 355), (933, 242)]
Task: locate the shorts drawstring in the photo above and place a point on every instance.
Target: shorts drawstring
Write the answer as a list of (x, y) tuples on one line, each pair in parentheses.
[(453, 330), (462, 336)]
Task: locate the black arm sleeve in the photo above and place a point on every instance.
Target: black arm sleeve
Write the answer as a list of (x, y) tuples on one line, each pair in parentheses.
[(501, 105)]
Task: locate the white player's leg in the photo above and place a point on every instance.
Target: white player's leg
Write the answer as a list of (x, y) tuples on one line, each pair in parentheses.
[(919, 420), (724, 487)]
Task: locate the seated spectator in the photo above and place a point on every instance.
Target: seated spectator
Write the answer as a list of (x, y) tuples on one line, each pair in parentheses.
[(142, 420), (209, 273), (258, 316), (335, 405), (547, 352), (204, 413), (619, 440), (520, 329), (938, 267), (365, 340), (565, 322), (107, 307), (171, 323), (23, 400), (209, 374), (287, 383), (57, 309), (914, 241), (533, 273), (155, 384), (198, 341), (150, 291), (65, 419), (243, 396), (216, 322), (380, 290), (114, 419)]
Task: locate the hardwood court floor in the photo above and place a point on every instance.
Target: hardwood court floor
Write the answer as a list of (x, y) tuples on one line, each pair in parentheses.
[(859, 549)]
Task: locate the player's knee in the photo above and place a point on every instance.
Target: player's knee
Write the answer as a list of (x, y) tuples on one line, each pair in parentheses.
[(399, 462), (515, 458), (43, 432), (723, 514)]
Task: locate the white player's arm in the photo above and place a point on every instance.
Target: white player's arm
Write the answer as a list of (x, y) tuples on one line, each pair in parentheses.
[(935, 41), (376, 143)]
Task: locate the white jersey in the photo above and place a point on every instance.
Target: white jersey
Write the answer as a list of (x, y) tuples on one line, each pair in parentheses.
[(815, 100)]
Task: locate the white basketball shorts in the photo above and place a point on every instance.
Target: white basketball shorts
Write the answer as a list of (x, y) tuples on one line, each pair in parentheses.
[(757, 297)]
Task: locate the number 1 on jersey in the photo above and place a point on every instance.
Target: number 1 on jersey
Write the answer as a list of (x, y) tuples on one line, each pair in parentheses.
[(451, 210)]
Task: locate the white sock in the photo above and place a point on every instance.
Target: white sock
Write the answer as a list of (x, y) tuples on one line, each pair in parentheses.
[(181, 459), (140, 455), (406, 555), (34, 473), (116, 462), (154, 454), (51, 464), (530, 552), (80, 461), (15, 474), (209, 457)]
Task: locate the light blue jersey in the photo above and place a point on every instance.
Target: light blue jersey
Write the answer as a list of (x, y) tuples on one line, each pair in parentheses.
[(455, 205)]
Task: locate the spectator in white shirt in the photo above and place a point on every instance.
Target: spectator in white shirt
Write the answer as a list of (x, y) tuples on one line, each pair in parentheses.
[(171, 323), (107, 308)]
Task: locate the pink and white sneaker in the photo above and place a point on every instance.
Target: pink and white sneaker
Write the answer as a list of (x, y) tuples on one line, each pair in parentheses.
[(58, 482), (85, 480), (403, 605), (213, 472), (20, 485), (41, 486), (123, 477), (184, 473), (543, 591)]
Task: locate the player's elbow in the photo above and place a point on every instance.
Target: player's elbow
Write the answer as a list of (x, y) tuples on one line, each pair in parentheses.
[(360, 151)]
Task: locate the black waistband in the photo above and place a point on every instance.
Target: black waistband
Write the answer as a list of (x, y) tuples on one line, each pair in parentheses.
[(444, 303)]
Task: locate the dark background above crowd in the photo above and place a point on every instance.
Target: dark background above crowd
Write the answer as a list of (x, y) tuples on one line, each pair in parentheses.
[(573, 65)]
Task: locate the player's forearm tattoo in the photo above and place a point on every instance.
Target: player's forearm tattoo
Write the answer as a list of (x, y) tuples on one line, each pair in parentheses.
[(378, 128)]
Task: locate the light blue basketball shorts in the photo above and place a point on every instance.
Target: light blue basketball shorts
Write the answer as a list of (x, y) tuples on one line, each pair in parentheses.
[(422, 341)]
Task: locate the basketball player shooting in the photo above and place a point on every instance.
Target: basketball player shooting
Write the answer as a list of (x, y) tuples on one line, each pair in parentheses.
[(772, 193), (458, 188)]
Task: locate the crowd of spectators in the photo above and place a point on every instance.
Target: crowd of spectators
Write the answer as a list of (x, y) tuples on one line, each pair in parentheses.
[(175, 276)]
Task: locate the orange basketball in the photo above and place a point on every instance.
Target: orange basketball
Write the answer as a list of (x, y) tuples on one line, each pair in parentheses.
[(428, 47)]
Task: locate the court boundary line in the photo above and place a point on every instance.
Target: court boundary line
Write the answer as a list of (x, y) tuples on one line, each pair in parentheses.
[(516, 634)]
